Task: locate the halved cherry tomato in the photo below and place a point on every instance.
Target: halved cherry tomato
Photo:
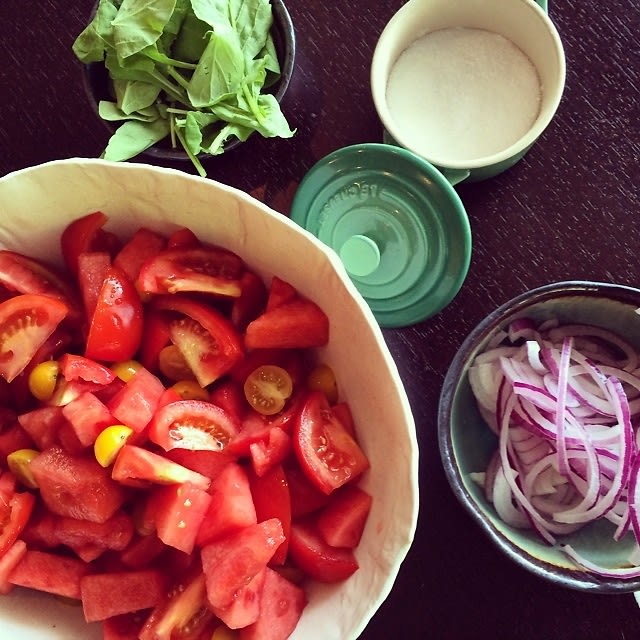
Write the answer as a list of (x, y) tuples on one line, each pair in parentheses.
[(86, 234), (322, 378), (326, 452), (190, 390), (22, 274), (201, 269), (173, 365), (192, 424), (207, 339), (267, 388), (116, 325), (26, 321), (43, 379)]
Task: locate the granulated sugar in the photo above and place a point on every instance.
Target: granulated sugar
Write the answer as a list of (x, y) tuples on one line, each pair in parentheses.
[(461, 94)]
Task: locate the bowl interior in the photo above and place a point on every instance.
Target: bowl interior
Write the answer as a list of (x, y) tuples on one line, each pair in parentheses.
[(467, 443), (34, 212), (98, 86)]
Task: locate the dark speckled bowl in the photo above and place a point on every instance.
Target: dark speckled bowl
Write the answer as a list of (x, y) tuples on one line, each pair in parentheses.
[(466, 443), (97, 85)]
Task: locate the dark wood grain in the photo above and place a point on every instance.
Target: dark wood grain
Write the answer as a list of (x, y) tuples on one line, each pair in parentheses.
[(570, 209)]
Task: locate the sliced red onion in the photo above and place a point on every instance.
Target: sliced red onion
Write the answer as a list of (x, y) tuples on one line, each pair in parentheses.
[(625, 573), (561, 400)]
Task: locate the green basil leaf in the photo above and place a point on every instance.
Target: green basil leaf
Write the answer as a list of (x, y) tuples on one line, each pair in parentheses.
[(193, 124), (97, 36), (139, 23), (174, 25), (250, 19), (111, 112), (133, 137), (135, 95), (220, 71), (215, 145), (191, 41)]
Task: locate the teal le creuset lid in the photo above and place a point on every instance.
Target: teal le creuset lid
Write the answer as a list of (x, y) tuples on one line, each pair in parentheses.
[(397, 224)]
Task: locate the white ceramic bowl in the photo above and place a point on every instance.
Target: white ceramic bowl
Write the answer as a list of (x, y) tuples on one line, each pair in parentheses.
[(35, 206)]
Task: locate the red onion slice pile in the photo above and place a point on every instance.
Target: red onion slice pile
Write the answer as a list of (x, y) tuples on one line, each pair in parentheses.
[(564, 402)]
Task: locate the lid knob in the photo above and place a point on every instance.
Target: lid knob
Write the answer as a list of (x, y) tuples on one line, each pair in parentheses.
[(360, 255)]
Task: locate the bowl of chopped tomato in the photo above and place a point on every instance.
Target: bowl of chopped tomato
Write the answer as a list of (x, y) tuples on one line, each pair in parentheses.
[(186, 448), (538, 428)]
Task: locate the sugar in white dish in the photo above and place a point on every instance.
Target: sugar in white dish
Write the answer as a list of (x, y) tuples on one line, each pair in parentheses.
[(460, 94)]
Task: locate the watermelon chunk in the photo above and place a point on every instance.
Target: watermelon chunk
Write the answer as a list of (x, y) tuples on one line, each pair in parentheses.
[(76, 486), (281, 605), (49, 572), (233, 561), (105, 595)]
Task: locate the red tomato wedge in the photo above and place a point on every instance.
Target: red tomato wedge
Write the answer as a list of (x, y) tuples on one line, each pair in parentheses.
[(298, 324), (328, 455), (182, 615), (192, 424), (206, 338), (136, 465), (250, 304), (272, 500), (315, 557), (15, 516), (21, 274), (26, 321), (75, 367), (116, 325), (86, 234), (183, 238), (201, 269), (280, 292)]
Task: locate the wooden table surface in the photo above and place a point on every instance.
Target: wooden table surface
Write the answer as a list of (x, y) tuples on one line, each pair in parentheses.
[(569, 210)]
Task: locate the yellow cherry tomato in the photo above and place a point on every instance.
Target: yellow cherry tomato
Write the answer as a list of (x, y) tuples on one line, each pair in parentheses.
[(126, 370), (224, 633), (173, 365), (19, 462), (267, 388), (322, 378), (109, 442), (190, 390), (43, 379)]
